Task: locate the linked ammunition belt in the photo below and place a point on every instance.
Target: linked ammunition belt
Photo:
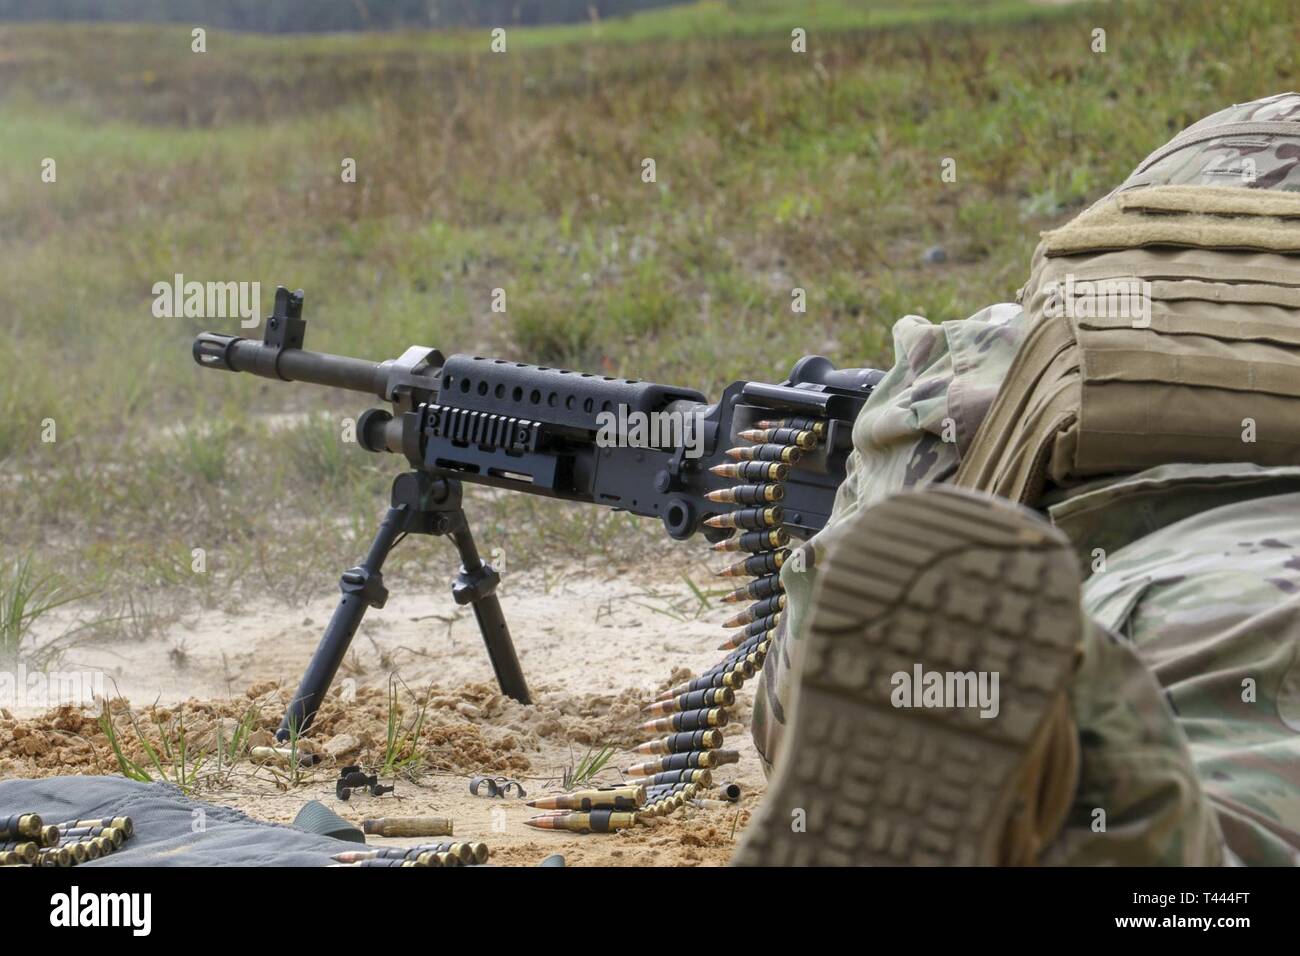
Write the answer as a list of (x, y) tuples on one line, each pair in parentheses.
[(424, 855), (26, 840), (692, 714)]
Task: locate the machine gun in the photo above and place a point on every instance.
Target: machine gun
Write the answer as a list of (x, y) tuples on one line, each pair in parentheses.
[(629, 445)]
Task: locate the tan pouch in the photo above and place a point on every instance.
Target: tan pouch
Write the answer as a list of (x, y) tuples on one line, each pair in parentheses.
[(1200, 363)]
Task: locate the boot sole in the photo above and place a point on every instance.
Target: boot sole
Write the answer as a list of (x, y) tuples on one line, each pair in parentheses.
[(955, 582)]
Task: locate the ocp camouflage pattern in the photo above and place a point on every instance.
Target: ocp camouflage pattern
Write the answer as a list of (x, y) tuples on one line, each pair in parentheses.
[(1187, 700)]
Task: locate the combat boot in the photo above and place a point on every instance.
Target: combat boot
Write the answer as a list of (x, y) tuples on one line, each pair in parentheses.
[(929, 722)]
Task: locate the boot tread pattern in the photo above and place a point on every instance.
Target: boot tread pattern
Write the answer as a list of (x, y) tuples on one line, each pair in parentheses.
[(953, 583)]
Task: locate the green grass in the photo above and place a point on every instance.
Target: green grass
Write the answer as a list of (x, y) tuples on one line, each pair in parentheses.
[(401, 738), (480, 171), (583, 772), (27, 594)]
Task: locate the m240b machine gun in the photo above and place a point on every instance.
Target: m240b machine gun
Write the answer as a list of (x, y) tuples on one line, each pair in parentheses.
[(543, 431)]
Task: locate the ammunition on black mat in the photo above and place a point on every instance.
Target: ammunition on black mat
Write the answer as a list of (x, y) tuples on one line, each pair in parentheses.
[(125, 824), (385, 863), (45, 836), (112, 834), (747, 494), (78, 850), (788, 454), (56, 856), (756, 590), (462, 852), (597, 821), (21, 852), (466, 853), (753, 470), (804, 440), (688, 720), (815, 425), (356, 856), (756, 565), (755, 542), (709, 697), (20, 826), (383, 858), (701, 778), (748, 518), (615, 798)]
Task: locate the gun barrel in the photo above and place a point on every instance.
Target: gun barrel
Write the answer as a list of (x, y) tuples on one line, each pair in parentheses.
[(235, 354)]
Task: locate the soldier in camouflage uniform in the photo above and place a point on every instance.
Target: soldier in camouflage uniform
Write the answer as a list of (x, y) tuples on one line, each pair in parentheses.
[(1171, 735)]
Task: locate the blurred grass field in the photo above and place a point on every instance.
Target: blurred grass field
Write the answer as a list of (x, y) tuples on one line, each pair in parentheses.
[(519, 171)]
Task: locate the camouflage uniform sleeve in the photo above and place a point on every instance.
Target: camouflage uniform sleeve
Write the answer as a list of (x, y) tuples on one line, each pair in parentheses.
[(926, 410), (913, 430)]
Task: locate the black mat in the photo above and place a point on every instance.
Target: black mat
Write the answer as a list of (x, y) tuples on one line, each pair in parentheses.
[(170, 828)]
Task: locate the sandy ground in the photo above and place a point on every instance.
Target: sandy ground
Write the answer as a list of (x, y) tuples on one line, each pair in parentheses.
[(591, 648)]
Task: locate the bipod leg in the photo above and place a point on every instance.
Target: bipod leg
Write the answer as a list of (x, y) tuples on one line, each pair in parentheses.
[(476, 586), (363, 587)]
